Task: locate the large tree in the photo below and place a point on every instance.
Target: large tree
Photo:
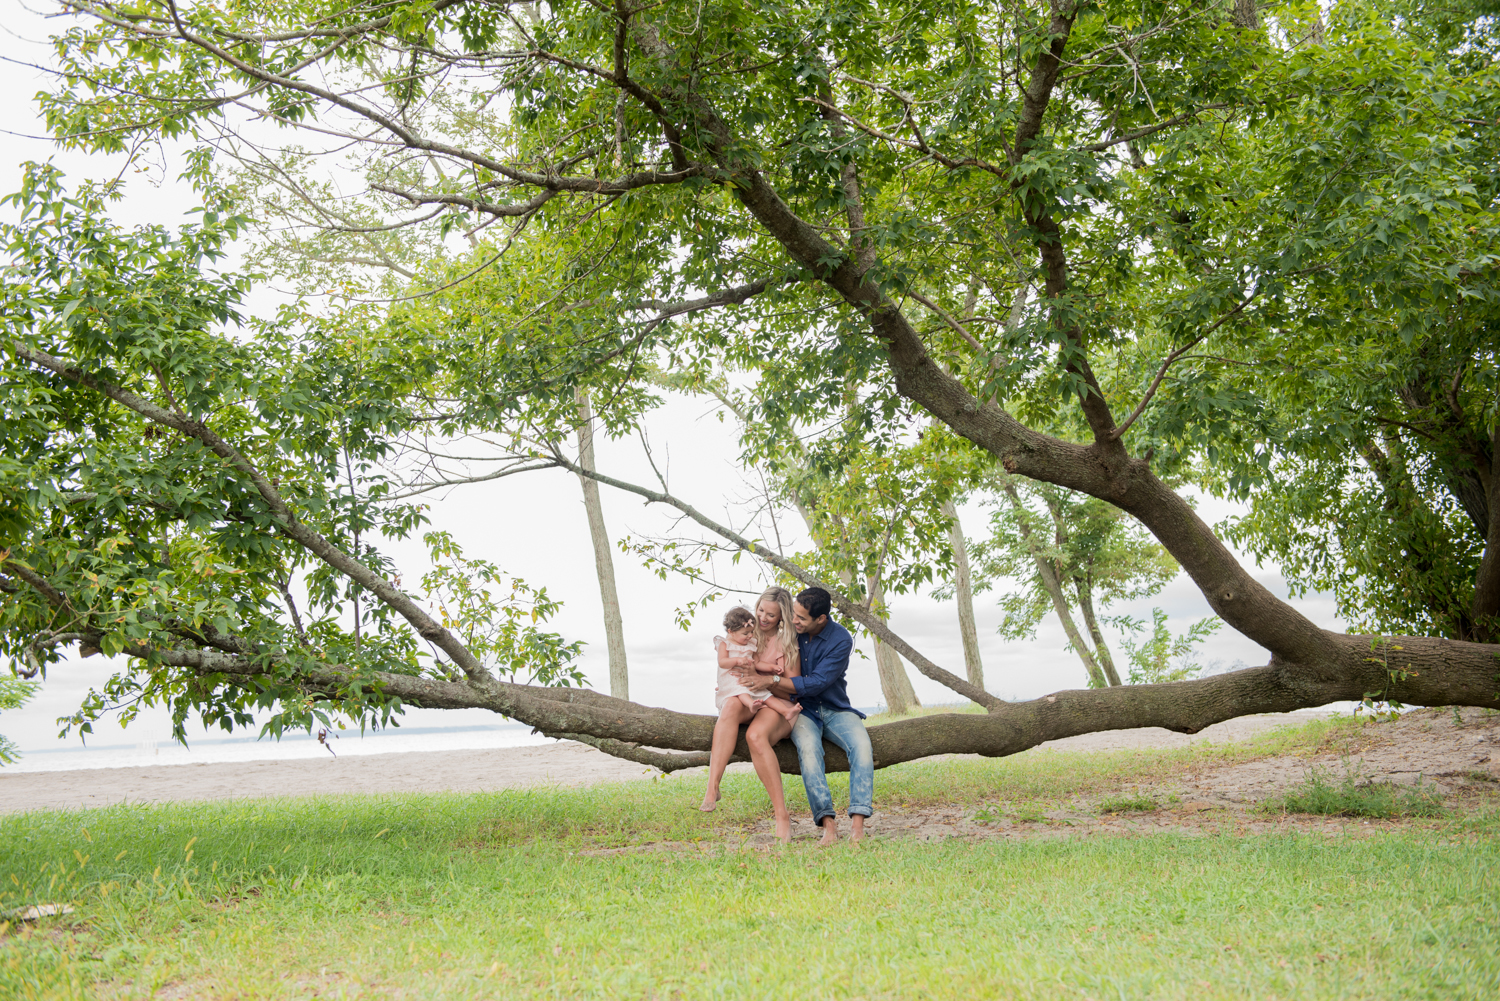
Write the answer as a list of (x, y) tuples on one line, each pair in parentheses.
[(862, 190)]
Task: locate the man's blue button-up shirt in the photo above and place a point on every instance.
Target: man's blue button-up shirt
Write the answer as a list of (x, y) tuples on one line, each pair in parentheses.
[(825, 661)]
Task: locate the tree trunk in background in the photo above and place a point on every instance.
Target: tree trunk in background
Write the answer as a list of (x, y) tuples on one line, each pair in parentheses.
[(604, 564), (900, 697), (1101, 648), (1053, 586), (1054, 589), (963, 593), (1486, 608)]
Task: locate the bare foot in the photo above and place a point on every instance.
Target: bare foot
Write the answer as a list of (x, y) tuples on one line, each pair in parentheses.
[(830, 833), (857, 825), (784, 829), (710, 801), (791, 714)]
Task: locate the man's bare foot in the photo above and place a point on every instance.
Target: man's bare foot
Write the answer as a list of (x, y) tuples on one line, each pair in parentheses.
[(857, 828), (830, 832), (791, 714), (784, 829)]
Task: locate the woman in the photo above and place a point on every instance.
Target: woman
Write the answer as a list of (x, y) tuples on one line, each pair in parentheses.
[(776, 647)]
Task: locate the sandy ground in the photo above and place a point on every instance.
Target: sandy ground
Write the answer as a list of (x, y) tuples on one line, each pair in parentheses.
[(563, 763)]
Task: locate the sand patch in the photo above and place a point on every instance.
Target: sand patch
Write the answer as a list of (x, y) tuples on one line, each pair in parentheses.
[(564, 763)]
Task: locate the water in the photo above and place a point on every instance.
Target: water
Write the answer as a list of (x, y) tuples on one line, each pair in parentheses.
[(204, 750)]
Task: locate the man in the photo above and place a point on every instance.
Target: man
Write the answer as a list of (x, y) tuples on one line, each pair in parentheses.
[(824, 648)]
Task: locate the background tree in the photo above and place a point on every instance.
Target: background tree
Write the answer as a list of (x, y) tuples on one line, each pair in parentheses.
[(1072, 554)]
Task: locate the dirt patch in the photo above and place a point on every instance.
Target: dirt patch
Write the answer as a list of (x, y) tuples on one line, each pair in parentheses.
[(1454, 756)]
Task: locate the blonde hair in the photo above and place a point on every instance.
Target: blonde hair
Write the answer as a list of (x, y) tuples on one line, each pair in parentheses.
[(782, 598)]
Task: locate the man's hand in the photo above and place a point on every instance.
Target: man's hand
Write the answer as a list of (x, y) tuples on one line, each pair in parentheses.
[(757, 682), (753, 679)]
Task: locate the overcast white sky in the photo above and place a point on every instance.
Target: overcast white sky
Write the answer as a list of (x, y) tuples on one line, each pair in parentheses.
[(534, 526)]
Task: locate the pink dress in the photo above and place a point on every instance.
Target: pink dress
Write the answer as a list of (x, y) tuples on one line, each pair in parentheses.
[(729, 685)]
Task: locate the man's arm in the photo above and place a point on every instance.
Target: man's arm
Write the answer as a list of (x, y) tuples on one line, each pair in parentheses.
[(769, 683), (831, 667)]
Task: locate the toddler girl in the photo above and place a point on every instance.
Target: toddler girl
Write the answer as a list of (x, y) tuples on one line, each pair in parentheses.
[(737, 650)]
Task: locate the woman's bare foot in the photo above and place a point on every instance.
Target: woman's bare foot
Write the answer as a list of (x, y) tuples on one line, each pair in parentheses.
[(791, 714), (710, 800), (784, 830), (830, 832), (857, 828)]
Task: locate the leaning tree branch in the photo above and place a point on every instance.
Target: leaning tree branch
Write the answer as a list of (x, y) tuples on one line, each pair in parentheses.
[(412, 140), (667, 761), (1141, 133), (285, 518), (472, 204)]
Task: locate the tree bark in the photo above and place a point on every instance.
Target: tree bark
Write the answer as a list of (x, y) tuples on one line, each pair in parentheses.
[(604, 564), (963, 595), (895, 684), (1486, 607), (1101, 648), (1053, 586)]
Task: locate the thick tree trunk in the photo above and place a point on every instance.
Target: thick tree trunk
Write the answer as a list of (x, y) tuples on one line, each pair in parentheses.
[(1101, 648), (604, 564), (963, 596), (1417, 671), (895, 684)]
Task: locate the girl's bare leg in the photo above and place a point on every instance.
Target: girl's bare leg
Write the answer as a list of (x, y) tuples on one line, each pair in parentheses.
[(726, 734), (762, 734)]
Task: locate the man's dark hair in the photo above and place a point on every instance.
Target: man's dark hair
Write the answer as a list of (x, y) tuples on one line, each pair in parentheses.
[(816, 601)]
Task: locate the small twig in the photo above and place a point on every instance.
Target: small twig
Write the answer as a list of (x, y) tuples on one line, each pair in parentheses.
[(1162, 372), (943, 313)]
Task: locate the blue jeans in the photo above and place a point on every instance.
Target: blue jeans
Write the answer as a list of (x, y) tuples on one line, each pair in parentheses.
[(846, 730)]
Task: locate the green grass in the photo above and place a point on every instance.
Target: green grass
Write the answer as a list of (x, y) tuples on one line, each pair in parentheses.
[(1349, 796), (493, 896), (1130, 803)]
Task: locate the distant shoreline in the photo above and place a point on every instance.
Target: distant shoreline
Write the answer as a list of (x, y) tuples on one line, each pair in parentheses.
[(542, 763)]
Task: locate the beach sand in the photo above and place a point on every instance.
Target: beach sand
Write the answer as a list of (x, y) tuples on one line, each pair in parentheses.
[(564, 763)]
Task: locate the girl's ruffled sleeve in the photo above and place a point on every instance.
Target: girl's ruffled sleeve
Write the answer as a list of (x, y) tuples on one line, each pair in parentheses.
[(718, 642)]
